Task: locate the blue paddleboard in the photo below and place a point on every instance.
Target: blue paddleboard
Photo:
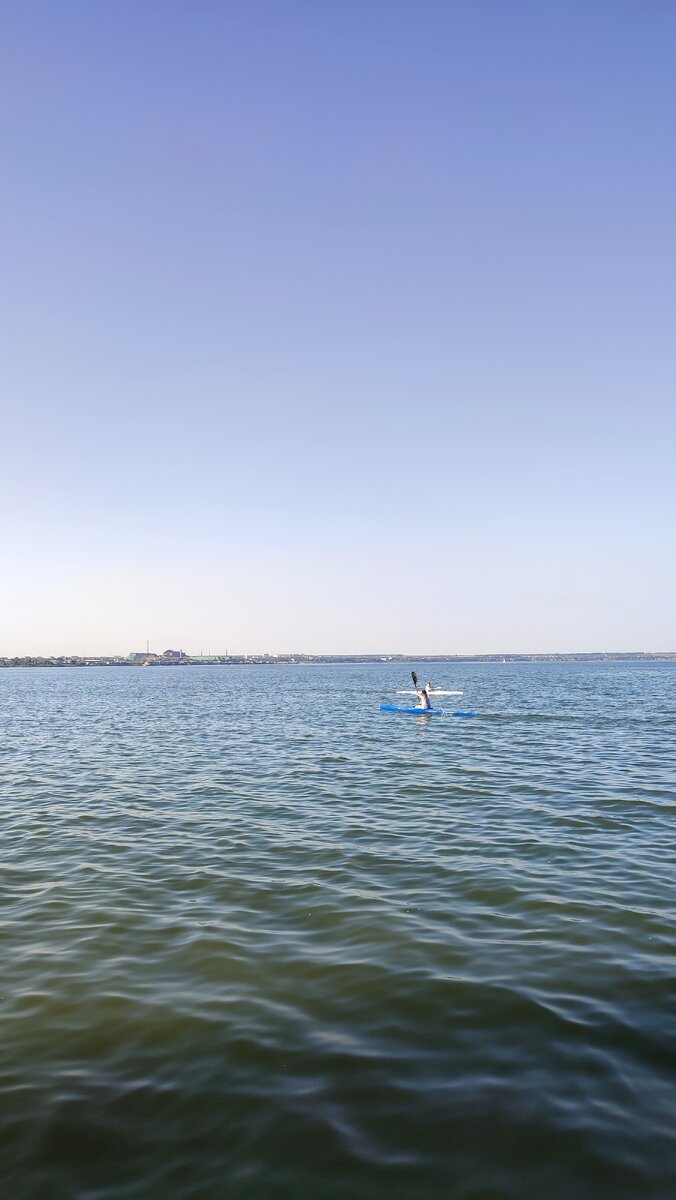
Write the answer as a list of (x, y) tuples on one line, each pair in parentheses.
[(425, 712), (398, 708)]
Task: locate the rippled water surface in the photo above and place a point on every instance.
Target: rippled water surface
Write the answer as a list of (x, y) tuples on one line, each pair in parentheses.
[(260, 940)]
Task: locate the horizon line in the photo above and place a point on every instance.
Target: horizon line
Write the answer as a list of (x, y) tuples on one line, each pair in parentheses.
[(374, 654)]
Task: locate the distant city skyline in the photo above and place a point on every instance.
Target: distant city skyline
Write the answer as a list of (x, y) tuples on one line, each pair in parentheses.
[(375, 656), (345, 327)]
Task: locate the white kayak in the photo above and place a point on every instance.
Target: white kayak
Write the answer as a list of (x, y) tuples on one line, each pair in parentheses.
[(433, 692)]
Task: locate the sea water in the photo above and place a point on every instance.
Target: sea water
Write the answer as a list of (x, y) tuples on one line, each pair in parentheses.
[(260, 940)]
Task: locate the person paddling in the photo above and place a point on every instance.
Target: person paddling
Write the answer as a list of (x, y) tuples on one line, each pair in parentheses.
[(423, 694)]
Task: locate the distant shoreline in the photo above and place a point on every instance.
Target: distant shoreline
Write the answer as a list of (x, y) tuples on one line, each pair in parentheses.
[(185, 660)]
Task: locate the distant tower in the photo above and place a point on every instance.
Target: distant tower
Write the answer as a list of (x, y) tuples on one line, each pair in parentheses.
[(148, 646)]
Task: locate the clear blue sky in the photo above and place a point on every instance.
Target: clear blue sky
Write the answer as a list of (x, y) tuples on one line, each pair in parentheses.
[(337, 326)]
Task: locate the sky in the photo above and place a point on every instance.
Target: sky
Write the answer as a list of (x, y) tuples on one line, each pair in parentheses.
[(337, 327)]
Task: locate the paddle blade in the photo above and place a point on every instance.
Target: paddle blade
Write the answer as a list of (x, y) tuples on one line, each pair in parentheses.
[(414, 677)]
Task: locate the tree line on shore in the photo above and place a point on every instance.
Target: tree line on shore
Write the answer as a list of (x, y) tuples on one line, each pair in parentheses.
[(72, 660)]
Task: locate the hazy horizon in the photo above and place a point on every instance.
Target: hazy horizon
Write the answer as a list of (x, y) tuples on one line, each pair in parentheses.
[(338, 327), (377, 654)]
